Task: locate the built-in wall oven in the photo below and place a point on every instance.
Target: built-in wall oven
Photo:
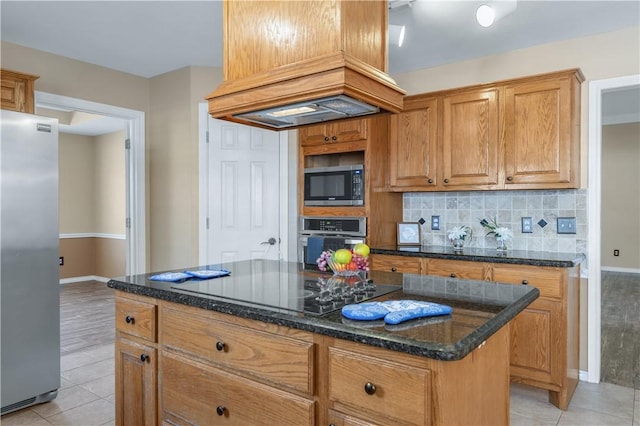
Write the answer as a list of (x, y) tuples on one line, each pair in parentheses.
[(317, 234)]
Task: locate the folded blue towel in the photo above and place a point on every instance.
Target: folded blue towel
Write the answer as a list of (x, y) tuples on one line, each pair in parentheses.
[(315, 246), (171, 276), (394, 311), (206, 274)]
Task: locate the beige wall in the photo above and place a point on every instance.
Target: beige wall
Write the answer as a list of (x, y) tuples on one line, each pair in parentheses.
[(621, 195), (110, 183), (76, 183), (601, 56)]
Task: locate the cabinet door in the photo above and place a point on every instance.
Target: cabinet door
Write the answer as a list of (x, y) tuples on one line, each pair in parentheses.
[(541, 135), (413, 147), (341, 131), (470, 145), (204, 395), (136, 378), (17, 91), (536, 348), (338, 419), (383, 262)]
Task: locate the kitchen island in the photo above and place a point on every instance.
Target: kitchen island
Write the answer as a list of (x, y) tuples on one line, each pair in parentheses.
[(249, 349)]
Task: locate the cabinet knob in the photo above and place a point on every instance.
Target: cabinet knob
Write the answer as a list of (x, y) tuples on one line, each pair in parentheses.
[(446, 181), (453, 275), (220, 409), (370, 388), (326, 138), (220, 346), (129, 319), (393, 269), (144, 357), (525, 282), (334, 138), (430, 181), (509, 178)]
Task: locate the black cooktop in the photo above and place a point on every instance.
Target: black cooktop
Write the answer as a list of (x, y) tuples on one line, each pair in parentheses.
[(315, 295)]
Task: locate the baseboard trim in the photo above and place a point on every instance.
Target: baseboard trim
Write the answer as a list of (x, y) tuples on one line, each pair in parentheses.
[(94, 235), (583, 375), (85, 278), (616, 269)]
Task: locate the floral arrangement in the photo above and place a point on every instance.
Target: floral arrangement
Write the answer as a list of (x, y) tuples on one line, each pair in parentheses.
[(460, 233), (501, 232)]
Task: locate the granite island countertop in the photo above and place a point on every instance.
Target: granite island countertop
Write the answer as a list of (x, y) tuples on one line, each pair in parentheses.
[(472, 254), (267, 291)]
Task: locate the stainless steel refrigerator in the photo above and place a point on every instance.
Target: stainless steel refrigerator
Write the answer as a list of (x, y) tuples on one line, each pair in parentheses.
[(29, 271)]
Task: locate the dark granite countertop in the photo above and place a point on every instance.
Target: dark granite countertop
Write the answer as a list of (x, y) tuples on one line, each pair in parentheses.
[(515, 257), (480, 308)]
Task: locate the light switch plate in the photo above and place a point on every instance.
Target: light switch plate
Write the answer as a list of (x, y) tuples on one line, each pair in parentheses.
[(527, 225), (566, 225)]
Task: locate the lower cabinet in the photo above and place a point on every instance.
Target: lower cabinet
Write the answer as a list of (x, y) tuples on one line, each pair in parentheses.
[(136, 369), (544, 337), (194, 393)]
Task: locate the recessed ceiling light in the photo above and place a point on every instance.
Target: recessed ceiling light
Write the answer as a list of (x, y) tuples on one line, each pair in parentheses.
[(485, 15)]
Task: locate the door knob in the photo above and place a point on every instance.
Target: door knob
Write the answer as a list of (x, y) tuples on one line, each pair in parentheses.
[(271, 241)]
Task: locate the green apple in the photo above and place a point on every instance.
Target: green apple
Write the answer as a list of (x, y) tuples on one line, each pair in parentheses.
[(362, 249), (342, 256)]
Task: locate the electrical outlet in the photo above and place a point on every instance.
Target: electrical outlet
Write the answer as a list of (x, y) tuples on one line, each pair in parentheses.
[(616, 252), (61, 260), (566, 225), (435, 223), (527, 225)]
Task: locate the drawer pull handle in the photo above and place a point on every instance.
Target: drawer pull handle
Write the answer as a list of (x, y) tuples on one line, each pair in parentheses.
[(129, 319), (525, 282), (220, 409), (446, 181), (144, 357), (393, 269), (334, 138), (430, 181), (509, 178), (220, 346), (370, 388), (453, 275), (326, 139)]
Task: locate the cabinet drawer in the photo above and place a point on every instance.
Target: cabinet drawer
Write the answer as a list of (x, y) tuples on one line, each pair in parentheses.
[(267, 356), (383, 262), (200, 394), (550, 281), (136, 318), (456, 269), (376, 388)]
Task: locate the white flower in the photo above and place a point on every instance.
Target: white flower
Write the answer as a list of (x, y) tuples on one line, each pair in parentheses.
[(459, 232), (503, 233)]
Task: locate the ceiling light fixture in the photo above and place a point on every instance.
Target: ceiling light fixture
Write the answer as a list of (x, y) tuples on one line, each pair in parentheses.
[(485, 15), (396, 34), (489, 13)]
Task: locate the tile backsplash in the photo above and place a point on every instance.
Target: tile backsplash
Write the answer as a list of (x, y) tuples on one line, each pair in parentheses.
[(508, 207)]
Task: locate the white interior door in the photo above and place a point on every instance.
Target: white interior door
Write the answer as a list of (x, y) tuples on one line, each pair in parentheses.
[(243, 207)]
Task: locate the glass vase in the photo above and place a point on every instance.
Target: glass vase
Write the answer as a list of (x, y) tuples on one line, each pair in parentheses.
[(502, 245), (458, 245)]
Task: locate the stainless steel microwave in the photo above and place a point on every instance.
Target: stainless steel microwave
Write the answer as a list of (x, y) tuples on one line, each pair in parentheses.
[(334, 186)]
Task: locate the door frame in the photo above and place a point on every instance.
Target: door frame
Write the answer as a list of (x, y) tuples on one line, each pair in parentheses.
[(594, 307), (136, 260), (203, 188)]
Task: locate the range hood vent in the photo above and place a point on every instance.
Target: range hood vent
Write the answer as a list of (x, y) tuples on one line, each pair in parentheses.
[(293, 69)]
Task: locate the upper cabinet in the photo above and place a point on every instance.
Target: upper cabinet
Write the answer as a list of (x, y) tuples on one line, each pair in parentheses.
[(17, 91), (542, 137), (517, 134), (334, 132), (412, 155)]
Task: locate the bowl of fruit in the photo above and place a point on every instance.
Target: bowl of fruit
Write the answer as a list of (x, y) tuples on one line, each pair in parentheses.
[(345, 262)]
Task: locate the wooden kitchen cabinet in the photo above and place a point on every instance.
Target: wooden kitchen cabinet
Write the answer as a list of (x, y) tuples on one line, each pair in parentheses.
[(542, 137), (544, 338), (17, 91), (470, 145), (389, 263), (334, 132), (516, 134), (413, 152), (136, 363)]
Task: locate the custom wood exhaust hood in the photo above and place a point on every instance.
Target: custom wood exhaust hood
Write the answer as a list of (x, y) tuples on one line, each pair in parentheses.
[(292, 63)]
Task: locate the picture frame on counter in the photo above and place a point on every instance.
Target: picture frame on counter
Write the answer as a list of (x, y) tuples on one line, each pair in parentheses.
[(409, 234)]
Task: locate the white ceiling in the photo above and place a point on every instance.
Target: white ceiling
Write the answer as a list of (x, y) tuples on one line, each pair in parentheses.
[(148, 38)]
